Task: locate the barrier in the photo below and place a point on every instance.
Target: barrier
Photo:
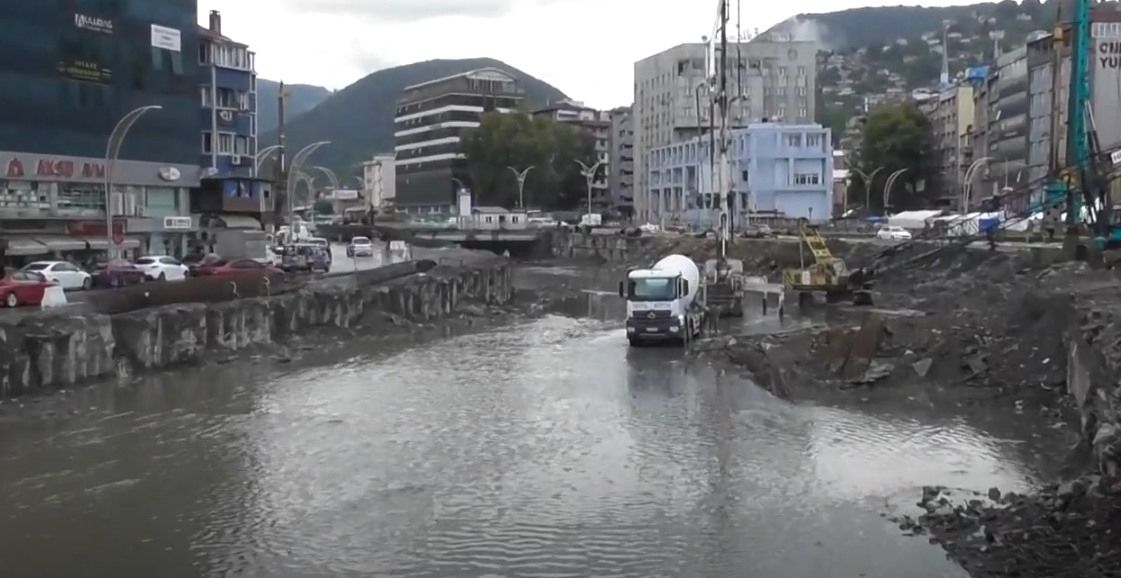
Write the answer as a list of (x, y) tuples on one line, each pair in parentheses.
[(53, 296), (247, 284)]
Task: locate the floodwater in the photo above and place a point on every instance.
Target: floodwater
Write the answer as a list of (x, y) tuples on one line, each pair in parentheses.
[(544, 449)]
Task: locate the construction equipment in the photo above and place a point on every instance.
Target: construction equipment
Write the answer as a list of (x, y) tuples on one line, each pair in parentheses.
[(665, 302), (825, 274)]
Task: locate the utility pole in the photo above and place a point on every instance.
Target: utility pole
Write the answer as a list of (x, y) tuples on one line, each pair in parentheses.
[(721, 103), (281, 180)]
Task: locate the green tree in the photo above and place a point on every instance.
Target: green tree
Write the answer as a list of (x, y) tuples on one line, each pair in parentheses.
[(895, 137), (518, 141), (323, 207)]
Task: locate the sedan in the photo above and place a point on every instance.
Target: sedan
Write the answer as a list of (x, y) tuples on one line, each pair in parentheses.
[(893, 233), (200, 264), (360, 247), (66, 275), (238, 266), (162, 268), (117, 273), (23, 288)]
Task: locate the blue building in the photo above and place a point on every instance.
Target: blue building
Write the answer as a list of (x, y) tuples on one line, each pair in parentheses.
[(779, 171), (227, 121), (71, 72)]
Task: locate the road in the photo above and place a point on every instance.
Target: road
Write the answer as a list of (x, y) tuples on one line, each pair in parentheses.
[(543, 449)]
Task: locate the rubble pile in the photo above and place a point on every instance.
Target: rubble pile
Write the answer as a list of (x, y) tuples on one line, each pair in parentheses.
[(1064, 530)]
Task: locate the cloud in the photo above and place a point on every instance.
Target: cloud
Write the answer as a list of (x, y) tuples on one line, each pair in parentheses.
[(401, 11)]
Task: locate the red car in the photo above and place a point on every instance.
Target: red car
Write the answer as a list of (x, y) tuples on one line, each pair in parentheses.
[(241, 266), (22, 288), (117, 273), (201, 265)]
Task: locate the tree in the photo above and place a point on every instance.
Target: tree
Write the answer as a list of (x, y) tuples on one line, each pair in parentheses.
[(895, 137), (323, 207), (516, 140)]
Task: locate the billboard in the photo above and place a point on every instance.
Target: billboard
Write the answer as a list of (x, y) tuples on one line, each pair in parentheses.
[(976, 73)]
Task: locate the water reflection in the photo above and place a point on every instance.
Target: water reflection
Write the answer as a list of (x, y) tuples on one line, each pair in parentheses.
[(548, 449)]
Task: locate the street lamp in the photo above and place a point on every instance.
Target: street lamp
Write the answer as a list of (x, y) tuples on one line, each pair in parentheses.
[(967, 182), (331, 176), (867, 185), (887, 186), (262, 156), (520, 175), (589, 175), (293, 175), (112, 150)]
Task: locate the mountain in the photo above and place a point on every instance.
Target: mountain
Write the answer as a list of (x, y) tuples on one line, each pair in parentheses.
[(358, 120), (301, 98)]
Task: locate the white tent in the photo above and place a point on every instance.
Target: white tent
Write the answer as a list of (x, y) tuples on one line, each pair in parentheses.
[(913, 220)]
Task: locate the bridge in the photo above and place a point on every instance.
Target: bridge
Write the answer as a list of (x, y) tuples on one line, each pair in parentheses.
[(528, 242)]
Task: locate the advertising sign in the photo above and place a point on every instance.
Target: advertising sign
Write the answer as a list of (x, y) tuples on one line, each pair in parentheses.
[(166, 38), (85, 71), (102, 25)]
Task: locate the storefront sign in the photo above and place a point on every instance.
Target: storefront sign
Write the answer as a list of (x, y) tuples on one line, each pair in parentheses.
[(176, 223), (170, 174), (56, 169), (166, 38), (103, 25), (86, 71), (226, 116), (95, 228)]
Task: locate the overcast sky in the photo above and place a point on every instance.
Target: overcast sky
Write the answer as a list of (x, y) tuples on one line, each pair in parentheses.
[(586, 48)]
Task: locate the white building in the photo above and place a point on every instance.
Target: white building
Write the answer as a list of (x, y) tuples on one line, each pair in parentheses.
[(773, 77), (379, 181)]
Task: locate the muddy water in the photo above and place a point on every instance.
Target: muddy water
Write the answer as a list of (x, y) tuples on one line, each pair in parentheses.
[(543, 449)]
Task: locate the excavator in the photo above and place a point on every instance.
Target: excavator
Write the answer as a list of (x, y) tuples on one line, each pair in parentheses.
[(825, 274)]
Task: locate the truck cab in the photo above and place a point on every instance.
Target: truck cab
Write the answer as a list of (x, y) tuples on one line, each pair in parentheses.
[(664, 303)]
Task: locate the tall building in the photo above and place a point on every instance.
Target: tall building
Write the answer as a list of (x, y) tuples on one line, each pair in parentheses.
[(774, 79), (379, 182), (780, 171), (431, 116), (1041, 71), (72, 72), (621, 178), (950, 113), (597, 124), (1007, 133), (228, 90)]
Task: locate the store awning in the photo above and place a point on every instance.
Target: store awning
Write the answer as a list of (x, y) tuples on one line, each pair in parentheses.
[(101, 244), (25, 246), (63, 243)]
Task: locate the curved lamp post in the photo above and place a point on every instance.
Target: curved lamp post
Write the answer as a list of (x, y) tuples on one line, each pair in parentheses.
[(589, 176), (112, 150), (890, 183), (520, 175), (262, 156), (967, 182), (294, 174), (331, 176), (867, 185)]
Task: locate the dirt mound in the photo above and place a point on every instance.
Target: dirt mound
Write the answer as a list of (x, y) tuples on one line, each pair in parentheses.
[(1064, 531)]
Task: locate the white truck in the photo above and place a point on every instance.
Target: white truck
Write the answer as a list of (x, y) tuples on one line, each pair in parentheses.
[(664, 303)]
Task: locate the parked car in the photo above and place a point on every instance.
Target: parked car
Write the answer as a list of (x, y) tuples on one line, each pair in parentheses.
[(236, 266), (360, 247), (893, 233), (162, 268), (67, 275), (117, 273), (321, 242), (200, 264), (22, 288)]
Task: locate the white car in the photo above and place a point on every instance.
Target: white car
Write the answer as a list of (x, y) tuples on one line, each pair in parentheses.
[(360, 247), (162, 268), (61, 273), (893, 233)]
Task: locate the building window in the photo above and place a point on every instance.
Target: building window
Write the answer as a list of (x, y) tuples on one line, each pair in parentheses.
[(167, 60), (807, 179), (793, 140)]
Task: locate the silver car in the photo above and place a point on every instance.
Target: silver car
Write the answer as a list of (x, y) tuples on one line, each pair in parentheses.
[(360, 247)]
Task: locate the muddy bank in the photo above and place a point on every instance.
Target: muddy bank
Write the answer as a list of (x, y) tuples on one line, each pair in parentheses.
[(54, 350)]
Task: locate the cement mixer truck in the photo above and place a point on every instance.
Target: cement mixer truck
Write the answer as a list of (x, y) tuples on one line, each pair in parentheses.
[(664, 303)]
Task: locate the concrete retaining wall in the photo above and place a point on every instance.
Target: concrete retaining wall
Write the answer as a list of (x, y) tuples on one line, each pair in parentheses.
[(58, 349)]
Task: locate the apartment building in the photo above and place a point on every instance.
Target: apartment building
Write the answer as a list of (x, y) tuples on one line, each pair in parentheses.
[(430, 168), (783, 171), (1042, 106), (379, 182), (950, 113), (1007, 137), (597, 124), (621, 178), (774, 79)]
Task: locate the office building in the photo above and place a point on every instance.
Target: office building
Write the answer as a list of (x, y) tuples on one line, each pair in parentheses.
[(431, 116), (621, 178), (228, 120), (63, 99), (1007, 132), (596, 124), (379, 182), (1041, 104), (777, 171), (774, 78)]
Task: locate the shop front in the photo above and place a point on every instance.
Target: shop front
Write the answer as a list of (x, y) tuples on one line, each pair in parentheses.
[(169, 235), (53, 206)]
